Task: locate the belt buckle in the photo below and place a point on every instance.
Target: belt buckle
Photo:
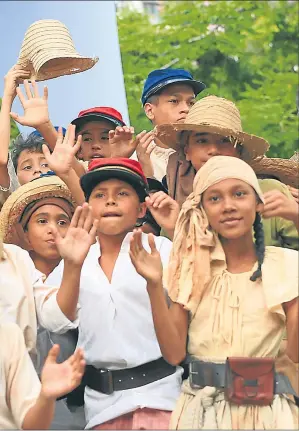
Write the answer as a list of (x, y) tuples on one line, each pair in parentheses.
[(191, 373), (107, 381)]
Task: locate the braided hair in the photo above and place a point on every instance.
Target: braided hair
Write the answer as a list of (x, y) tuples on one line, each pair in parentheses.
[(259, 246)]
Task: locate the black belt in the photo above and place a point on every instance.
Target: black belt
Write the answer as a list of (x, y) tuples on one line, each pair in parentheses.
[(211, 374), (108, 381)]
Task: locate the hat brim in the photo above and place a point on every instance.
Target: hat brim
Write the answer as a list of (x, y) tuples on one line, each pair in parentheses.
[(91, 179), (286, 170), (55, 64), (16, 203), (168, 136), (78, 122), (197, 86)]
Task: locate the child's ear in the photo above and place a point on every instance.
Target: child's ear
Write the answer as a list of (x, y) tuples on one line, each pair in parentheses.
[(142, 210), (149, 111)]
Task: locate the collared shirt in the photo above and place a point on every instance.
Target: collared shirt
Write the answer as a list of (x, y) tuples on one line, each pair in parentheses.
[(116, 331), (25, 299)]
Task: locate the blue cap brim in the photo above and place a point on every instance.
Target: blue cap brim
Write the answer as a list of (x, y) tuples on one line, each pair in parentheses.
[(197, 86)]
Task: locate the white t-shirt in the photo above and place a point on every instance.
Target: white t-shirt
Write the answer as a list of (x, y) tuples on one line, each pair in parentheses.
[(116, 331)]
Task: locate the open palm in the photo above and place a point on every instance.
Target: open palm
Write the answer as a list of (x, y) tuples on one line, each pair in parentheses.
[(35, 107), (79, 237), (60, 379), (62, 158), (148, 265)]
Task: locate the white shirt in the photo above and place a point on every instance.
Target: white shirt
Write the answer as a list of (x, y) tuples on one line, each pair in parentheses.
[(116, 331), (25, 299)]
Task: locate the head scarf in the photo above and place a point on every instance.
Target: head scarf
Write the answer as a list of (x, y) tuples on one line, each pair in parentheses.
[(190, 260)]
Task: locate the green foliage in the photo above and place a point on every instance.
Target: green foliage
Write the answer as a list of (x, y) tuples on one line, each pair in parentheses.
[(245, 51), (14, 131)]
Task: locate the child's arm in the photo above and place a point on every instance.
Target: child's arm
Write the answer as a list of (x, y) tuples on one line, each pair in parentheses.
[(11, 81), (36, 114), (278, 204), (56, 381), (144, 148), (171, 324), (291, 309), (165, 211), (61, 161)]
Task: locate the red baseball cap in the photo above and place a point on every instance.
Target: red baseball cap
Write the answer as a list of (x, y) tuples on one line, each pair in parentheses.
[(99, 113), (123, 169)]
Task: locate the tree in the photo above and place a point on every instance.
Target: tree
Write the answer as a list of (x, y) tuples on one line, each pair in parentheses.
[(245, 51), (14, 131)]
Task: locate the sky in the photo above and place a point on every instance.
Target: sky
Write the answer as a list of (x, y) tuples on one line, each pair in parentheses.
[(93, 27)]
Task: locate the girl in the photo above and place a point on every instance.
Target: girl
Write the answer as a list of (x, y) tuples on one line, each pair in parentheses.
[(232, 297)]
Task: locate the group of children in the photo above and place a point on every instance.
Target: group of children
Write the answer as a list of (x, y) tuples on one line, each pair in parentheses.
[(143, 278)]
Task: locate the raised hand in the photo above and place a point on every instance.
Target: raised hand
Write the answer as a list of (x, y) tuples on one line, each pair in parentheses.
[(145, 146), (278, 204), (148, 265), (121, 142), (60, 379), (62, 158), (81, 234), (12, 79), (35, 107), (165, 211)]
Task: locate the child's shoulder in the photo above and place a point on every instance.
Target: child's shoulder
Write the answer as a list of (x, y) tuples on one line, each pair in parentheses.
[(283, 259)]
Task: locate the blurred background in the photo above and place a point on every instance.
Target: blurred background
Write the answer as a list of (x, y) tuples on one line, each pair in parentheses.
[(246, 51)]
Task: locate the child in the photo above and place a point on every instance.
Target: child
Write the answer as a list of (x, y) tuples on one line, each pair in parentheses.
[(128, 384), (232, 297), (25, 402), (167, 96), (213, 127)]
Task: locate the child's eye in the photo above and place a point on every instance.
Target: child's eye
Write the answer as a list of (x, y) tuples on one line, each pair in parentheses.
[(173, 101), (192, 102), (99, 195), (61, 223), (27, 168), (104, 138), (87, 139), (201, 141), (41, 221), (123, 193), (214, 199), (240, 193), (44, 165)]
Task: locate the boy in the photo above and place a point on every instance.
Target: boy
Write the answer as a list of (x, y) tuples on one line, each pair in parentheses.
[(213, 127), (129, 386), (167, 97), (25, 402)]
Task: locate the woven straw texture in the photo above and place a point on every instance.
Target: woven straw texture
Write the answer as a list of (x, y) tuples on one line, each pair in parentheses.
[(213, 114), (23, 196), (286, 170), (48, 51)]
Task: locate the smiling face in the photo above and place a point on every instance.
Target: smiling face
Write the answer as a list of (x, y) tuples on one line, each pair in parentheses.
[(39, 233), (95, 139), (202, 146), (31, 164), (231, 207), (116, 205), (171, 105)]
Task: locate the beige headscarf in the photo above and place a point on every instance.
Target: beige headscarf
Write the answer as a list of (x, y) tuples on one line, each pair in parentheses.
[(194, 242)]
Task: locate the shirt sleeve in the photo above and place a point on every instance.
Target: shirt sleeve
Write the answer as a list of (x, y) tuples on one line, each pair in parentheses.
[(22, 383), (49, 314)]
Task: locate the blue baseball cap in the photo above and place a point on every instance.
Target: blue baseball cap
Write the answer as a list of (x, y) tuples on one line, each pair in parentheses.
[(36, 132), (159, 78)]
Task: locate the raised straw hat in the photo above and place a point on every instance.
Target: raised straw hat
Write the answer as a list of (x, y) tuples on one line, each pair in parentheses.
[(212, 114), (48, 51), (285, 170), (14, 206)]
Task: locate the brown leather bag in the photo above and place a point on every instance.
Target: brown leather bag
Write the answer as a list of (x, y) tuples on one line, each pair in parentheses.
[(250, 381)]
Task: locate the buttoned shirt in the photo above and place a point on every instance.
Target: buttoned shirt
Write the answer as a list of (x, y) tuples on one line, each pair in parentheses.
[(116, 331)]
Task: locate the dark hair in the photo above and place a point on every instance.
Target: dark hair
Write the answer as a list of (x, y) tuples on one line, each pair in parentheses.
[(154, 99), (259, 246), (32, 143)]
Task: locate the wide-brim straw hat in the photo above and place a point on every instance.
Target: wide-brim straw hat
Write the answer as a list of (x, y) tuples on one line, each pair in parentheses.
[(14, 206), (212, 114), (48, 51), (285, 170)]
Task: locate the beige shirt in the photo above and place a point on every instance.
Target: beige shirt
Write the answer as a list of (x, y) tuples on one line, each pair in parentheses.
[(25, 300), (19, 384)]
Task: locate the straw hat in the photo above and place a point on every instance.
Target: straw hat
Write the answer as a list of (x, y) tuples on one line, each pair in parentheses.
[(14, 206), (286, 170), (212, 114), (48, 51)]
